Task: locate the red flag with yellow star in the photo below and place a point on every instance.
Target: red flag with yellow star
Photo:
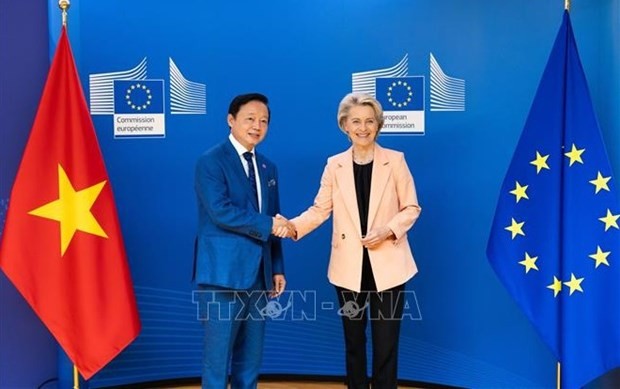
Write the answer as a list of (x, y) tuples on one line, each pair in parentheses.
[(62, 246)]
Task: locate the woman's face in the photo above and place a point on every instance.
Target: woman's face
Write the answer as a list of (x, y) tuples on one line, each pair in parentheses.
[(361, 125)]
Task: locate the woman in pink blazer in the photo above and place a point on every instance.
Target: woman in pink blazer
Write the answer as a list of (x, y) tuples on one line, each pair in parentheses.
[(371, 194)]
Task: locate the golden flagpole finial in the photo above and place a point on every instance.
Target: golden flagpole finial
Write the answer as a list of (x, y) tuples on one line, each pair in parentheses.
[(567, 5), (64, 6)]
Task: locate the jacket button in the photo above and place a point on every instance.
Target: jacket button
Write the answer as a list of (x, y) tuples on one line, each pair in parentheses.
[(343, 236)]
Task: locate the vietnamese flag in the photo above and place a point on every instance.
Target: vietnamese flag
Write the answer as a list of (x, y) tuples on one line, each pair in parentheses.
[(62, 246)]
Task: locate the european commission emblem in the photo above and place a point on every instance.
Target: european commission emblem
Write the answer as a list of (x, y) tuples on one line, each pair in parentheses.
[(402, 99), (139, 108)]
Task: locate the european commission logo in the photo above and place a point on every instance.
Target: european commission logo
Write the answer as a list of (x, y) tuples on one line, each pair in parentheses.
[(138, 104), (402, 99), (139, 108), (402, 96)]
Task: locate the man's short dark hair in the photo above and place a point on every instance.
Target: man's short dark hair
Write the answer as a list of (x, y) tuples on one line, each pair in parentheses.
[(241, 100)]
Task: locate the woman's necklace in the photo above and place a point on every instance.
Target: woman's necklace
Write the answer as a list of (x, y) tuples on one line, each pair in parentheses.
[(363, 160)]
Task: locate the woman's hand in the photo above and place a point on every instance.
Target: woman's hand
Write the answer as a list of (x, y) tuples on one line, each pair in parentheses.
[(376, 236), (279, 284)]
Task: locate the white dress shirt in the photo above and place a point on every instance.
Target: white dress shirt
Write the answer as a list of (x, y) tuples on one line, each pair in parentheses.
[(240, 150)]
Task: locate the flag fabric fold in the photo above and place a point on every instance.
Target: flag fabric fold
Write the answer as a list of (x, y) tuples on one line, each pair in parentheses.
[(62, 246), (555, 242)]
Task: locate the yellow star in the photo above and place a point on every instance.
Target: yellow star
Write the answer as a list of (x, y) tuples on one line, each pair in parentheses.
[(600, 182), (529, 263), (574, 284), (519, 191), (575, 155), (556, 287), (515, 228), (72, 210), (600, 256), (540, 162), (610, 220)]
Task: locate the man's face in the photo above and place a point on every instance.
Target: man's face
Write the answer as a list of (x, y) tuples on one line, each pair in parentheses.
[(249, 127)]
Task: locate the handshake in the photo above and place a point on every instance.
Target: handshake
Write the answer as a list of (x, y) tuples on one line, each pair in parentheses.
[(282, 228)]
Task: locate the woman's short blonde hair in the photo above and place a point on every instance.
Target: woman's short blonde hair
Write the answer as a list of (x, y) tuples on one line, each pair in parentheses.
[(354, 99)]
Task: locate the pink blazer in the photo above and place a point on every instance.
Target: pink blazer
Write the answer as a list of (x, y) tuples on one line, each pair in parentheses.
[(393, 203)]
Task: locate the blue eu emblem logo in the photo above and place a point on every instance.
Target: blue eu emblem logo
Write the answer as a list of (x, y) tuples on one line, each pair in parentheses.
[(400, 93), (138, 96)]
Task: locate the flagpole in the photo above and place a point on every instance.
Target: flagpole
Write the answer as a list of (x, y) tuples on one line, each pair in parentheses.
[(559, 367), (64, 6), (558, 370), (76, 378)]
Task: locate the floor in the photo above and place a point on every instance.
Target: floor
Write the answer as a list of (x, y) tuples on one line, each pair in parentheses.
[(281, 385)]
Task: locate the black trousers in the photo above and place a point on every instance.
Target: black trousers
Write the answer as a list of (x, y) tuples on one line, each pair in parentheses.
[(384, 309)]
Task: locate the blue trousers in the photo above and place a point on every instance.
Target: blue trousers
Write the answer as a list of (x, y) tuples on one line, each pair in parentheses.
[(234, 331)]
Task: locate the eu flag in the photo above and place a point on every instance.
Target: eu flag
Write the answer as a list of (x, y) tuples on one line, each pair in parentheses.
[(555, 240), (400, 93), (138, 96)]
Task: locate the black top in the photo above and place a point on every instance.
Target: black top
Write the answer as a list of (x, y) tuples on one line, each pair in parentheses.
[(363, 176)]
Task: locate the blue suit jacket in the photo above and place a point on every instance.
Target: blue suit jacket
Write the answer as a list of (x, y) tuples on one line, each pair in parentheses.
[(233, 236)]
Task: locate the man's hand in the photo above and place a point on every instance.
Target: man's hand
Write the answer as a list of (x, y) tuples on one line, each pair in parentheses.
[(279, 283), (376, 236)]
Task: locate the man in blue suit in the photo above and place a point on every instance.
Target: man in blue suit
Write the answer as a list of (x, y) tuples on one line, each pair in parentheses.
[(237, 257)]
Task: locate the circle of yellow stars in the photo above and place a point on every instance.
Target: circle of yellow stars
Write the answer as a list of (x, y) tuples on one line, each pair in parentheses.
[(138, 87), (397, 84), (610, 220)]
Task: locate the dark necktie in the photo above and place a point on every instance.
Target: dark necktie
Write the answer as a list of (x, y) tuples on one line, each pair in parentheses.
[(251, 174)]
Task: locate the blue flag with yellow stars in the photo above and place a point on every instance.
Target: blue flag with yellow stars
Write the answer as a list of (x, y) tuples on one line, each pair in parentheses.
[(555, 240)]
